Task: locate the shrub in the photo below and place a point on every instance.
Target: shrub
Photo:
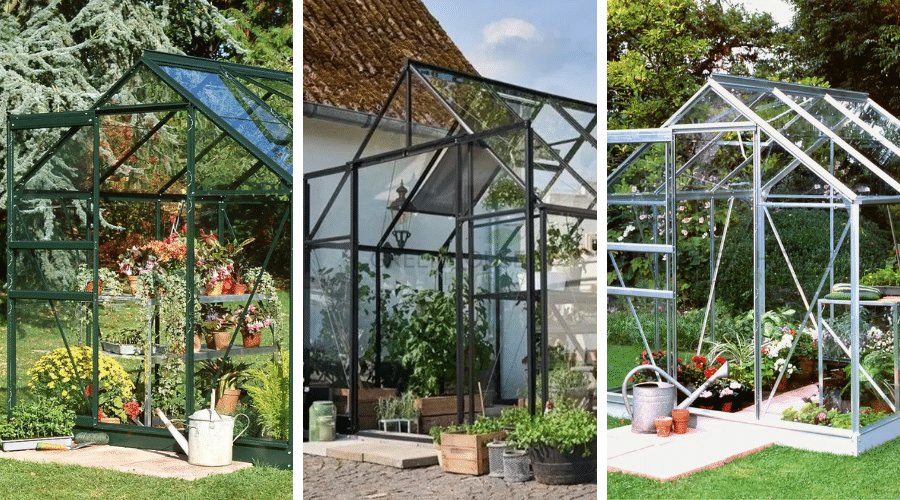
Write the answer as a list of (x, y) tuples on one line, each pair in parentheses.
[(37, 419), (53, 376)]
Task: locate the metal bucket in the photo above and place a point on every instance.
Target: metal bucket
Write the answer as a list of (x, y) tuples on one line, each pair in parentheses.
[(650, 400)]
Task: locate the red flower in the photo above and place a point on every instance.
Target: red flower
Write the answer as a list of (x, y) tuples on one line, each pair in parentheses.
[(765, 349), (645, 362), (89, 390), (100, 414), (720, 360), (709, 372)]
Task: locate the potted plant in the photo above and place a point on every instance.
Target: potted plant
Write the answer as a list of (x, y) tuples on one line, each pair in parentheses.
[(561, 443), (232, 376), (565, 255), (107, 279), (217, 326), (269, 388), (398, 414), (463, 448), (252, 323), (40, 421)]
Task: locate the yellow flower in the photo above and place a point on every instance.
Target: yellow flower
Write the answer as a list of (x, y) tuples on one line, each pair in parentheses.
[(51, 384), (65, 393)]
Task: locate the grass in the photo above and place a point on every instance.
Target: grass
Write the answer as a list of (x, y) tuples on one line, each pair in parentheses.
[(776, 472), (27, 480)]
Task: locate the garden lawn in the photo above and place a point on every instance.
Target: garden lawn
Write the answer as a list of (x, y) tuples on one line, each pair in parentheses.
[(775, 472), (27, 481)]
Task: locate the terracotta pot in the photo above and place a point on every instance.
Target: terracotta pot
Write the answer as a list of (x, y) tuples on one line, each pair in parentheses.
[(215, 289), (239, 289), (227, 402), (680, 417), (663, 426), (134, 284), (89, 287), (220, 339), (198, 342), (251, 341)]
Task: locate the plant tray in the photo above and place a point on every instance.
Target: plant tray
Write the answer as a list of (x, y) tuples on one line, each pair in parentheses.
[(130, 349), (31, 444), (123, 349), (467, 453)]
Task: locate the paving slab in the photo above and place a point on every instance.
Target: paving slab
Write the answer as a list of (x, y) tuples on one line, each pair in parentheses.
[(132, 460), (711, 444)]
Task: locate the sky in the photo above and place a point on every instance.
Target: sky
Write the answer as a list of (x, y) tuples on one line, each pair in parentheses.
[(547, 46), (780, 9)]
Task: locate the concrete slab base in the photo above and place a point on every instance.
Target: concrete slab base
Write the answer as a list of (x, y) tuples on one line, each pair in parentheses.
[(398, 454), (711, 444), (132, 460)]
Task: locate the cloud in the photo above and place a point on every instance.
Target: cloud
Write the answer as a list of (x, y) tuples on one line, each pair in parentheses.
[(499, 32)]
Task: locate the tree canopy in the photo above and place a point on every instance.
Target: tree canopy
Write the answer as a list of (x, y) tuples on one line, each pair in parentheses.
[(660, 53)]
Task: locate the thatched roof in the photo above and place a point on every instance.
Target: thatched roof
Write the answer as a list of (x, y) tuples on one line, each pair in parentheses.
[(353, 50)]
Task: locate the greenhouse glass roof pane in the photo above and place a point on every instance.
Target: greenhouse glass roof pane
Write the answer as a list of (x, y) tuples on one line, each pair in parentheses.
[(241, 110), (711, 108)]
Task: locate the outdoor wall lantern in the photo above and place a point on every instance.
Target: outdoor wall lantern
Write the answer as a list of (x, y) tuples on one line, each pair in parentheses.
[(401, 233)]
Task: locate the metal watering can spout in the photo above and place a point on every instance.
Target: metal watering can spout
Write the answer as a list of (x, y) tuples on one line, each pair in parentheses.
[(721, 372), (175, 433)]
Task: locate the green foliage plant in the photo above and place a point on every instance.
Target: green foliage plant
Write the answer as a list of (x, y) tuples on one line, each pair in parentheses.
[(403, 407), (812, 413), (37, 419), (269, 387), (53, 376), (504, 193), (562, 429), (481, 425), (232, 375), (426, 346)]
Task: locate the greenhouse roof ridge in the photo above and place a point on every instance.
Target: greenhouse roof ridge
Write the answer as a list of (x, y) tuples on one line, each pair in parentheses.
[(747, 82), (510, 86)]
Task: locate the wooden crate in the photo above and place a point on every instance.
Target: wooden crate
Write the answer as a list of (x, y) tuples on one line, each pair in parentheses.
[(440, 411), (467, 453)]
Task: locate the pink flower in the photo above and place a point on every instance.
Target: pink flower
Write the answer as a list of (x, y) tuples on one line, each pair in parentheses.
[(684, 232), (685, 220), (702, 220)]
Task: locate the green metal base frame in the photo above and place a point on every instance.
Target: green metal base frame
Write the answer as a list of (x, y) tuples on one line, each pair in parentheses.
[(257, 451)]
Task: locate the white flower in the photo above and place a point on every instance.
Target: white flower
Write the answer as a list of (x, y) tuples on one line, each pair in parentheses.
[(726, 392), (735, 384), (706, 205), (642, 217), (634, 189), (705, 235), (705, 394)]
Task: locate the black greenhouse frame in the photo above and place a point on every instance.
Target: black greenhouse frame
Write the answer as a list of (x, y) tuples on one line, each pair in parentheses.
[(461, 134)]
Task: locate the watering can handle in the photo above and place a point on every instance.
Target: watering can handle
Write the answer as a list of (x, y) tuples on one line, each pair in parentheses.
[(245, 428)]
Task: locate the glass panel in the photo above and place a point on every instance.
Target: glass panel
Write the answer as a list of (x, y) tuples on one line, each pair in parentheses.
[(390, 134), (143, 87), (710, 108), (572, 312), (69, 168), (705, 161), (283, 106), (262, 127), (644, 173), (136, 159), (326, 339), (474, 102), (59, 220), (336, 222), (222, 163), (43, 367), (50, 270), (380, 195), (431, 120)]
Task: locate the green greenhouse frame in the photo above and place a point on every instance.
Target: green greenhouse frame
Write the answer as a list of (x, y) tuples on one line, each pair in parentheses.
[(218, 137)]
